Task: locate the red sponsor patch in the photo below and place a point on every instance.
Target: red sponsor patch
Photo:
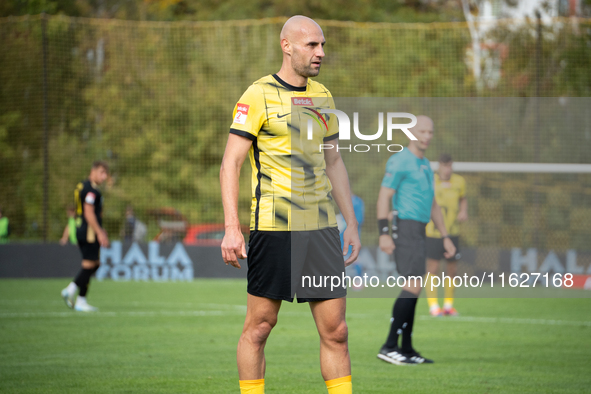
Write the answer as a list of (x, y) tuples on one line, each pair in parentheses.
[(301, 101), (241, 113), (242, 108)]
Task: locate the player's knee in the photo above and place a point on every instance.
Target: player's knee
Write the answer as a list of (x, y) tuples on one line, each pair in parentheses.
[(260, 331), (339, 333)]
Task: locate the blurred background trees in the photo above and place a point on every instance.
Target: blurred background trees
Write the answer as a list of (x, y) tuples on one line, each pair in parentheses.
[(155, 99)]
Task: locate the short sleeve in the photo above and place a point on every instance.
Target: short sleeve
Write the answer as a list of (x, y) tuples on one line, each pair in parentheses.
[(394, 172), (332, 131), (249, 114)]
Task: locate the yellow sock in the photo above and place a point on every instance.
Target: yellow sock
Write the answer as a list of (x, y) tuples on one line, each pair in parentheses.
[(448, 302), (431, 294), (252, 386), (340, 385)]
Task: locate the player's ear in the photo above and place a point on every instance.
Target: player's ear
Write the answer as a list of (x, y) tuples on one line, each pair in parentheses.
[(286, 46)]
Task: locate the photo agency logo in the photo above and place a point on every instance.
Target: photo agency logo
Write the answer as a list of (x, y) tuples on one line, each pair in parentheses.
[(392, 120)]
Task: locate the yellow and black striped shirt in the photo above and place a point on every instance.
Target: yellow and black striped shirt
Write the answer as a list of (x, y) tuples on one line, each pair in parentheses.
[(290, 188)]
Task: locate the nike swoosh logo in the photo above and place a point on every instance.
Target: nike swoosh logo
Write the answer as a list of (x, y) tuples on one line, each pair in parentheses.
[(282, 116)]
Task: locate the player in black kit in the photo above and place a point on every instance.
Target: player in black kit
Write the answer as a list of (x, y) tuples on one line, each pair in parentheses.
[(89, 233)]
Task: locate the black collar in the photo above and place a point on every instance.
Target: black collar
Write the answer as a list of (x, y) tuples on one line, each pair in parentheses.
[(290, 87)]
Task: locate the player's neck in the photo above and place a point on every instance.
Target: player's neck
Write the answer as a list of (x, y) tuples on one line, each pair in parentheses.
[(290, 77)]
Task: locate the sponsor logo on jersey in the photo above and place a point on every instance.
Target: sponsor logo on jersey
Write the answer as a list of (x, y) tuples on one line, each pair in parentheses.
[(241, 113), (318, 118), (301, 101)]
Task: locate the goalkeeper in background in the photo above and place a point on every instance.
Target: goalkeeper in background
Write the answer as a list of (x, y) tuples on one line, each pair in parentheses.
[(450, 194)]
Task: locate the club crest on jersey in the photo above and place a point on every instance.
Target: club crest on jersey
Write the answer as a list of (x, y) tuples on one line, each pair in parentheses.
[(241, 113), (301, 101)]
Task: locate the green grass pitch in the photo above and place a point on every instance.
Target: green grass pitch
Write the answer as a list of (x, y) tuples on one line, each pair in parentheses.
[(181, 338)]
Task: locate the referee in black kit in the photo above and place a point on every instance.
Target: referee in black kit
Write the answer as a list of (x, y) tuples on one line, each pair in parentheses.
[(408, 185)]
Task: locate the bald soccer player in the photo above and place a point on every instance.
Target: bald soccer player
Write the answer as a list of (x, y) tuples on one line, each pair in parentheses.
[(286, 187), (408, 186)]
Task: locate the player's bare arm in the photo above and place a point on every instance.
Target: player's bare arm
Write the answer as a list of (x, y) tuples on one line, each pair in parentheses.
[(90, 217), (337, 173), (463, 214), (437, 217), (233, 245), (386, 242), (65, 235)]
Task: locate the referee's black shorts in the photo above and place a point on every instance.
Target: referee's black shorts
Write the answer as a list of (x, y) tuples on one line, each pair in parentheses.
[(280, 263), (435, 248), (411, 252)]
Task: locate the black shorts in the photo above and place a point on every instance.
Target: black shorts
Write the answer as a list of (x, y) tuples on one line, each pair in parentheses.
[(435, 248), (90, 251), (287, 264), (411, 252)]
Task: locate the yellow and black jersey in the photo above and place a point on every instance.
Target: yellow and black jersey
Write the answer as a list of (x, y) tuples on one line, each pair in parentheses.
[(290, 188), (87, 192), (448, 195)]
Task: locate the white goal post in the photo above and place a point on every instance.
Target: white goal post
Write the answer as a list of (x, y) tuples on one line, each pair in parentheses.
[(548, 168)]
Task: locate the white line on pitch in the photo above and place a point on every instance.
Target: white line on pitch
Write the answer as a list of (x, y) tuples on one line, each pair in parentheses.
[(238, 310), (510, 320), (118, 314), (131, 303)]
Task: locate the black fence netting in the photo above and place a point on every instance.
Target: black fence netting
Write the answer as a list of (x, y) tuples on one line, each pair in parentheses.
[(155, 100)]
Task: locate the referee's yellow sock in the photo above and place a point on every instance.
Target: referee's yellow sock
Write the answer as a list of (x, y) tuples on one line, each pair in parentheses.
[(431, 293), (252, 386), (340, 385)]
